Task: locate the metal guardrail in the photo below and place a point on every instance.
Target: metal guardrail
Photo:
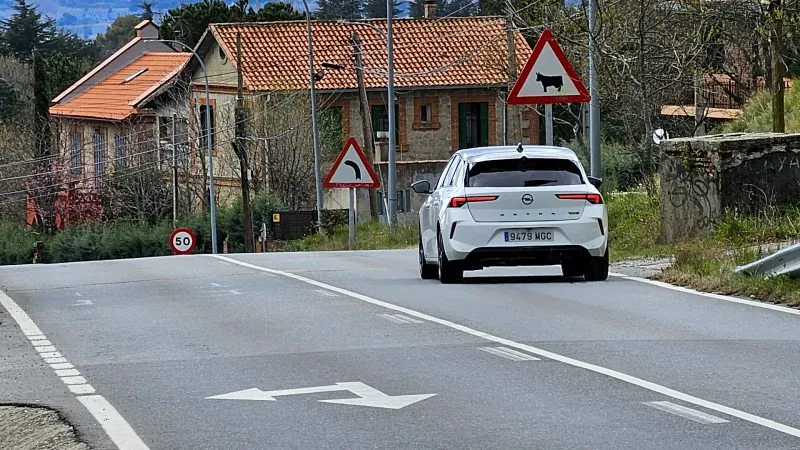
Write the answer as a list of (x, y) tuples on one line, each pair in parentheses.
[(783, 262)]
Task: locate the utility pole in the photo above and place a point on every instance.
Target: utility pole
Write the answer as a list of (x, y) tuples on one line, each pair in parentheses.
[(241, 151), (366, 123), (392, 194), (594, 102), (511, 44), (174, 173), (776, 12)]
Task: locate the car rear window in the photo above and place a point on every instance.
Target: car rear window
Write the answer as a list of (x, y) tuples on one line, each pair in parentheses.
[(524, 172)]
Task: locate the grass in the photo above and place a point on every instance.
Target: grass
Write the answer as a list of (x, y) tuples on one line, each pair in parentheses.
[(369, 236), (707, 264)]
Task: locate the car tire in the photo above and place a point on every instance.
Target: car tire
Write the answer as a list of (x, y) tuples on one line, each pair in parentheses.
[(449, 272), (597, 269), (426, 271), (571, 270)]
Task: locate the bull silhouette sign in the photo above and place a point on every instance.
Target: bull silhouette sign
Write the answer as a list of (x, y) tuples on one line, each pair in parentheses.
[(550, 81), (548, 77)]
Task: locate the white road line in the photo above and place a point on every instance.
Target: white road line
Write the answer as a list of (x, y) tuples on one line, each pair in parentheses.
[(326, 293), (60, 366), (23, 320), (726, 298), (67, 372), (392, 318), (55, 360), (688, 413), (117, 428), (407, 319), (74, 380), (509, 354), (81, 389), (537, 351), (215, 284)]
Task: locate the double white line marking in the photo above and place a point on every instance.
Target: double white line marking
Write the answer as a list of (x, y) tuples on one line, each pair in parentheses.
[(399, 318), (507, 353)]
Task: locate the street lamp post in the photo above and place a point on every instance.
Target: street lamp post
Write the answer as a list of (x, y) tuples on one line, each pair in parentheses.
[(314, 131), (212, 199), (392, 213)]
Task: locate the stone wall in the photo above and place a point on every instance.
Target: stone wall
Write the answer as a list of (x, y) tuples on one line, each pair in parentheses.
[(703, 178)]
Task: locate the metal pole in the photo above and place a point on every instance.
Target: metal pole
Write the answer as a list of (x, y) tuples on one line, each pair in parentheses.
[(314, 131), (212, 190), (594, 103), (174, 173), (351, 221), (548, 124), (392, 213)]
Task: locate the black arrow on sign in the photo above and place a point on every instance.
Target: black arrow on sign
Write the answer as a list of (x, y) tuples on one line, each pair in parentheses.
[(355, 167)]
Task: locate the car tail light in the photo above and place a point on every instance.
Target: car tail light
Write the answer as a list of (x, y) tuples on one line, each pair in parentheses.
[(594, 199), (458, 202)]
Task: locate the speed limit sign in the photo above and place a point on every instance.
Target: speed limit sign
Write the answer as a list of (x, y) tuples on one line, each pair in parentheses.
[(182, 241)]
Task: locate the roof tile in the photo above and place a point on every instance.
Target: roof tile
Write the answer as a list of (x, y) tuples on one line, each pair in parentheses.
[(463, 51), (114, 99)]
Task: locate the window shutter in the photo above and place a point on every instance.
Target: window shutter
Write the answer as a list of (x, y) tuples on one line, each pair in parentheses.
[(484, 120)]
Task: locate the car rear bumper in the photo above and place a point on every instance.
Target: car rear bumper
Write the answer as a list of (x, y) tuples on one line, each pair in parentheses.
[(484, 243), (526, 256)]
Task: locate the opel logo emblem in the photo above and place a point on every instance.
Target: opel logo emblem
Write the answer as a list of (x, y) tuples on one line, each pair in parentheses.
[(527, 199)]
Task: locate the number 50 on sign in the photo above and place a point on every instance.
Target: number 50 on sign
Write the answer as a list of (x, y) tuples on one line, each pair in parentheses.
[(182, 241)]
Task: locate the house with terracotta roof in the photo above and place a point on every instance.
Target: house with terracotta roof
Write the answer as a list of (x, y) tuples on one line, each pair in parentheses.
[(120, 114), (451, 82)]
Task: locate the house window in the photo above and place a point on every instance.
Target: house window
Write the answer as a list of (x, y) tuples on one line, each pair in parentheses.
[(473, 125), (76, 152), (380, 120), (425, 113), (204, 126), (99, 156), (120, 151)]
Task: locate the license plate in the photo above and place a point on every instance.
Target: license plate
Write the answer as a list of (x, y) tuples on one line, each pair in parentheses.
[(529, 236)]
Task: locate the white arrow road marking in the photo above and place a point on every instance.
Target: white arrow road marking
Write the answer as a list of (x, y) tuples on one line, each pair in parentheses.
[(649, 385), (688, 413), (399, 318), (367, 395), (507, 353), (215, 284), (83, 303)]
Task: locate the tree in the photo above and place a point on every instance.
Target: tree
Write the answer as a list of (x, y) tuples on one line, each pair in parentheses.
[(376, 9), (25, 31), (188, 22), (117, 34), (147, 10), (339, 9)]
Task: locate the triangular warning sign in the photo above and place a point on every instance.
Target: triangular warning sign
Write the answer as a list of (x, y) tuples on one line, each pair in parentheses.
[(351, 169), (548, 77)]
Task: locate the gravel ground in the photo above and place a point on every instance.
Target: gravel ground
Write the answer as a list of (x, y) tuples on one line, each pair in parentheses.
[(33, 428)]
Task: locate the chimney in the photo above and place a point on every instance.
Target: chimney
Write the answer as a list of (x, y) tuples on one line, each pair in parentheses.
[(147, 30), (430, 9)]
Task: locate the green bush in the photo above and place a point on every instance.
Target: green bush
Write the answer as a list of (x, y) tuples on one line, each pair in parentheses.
[(16, 244), (757, 114)]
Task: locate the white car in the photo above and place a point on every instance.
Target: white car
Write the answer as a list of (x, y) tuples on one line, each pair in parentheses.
[(527, 205)]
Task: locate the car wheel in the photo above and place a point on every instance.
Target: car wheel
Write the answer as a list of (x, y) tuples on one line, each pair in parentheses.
[(449, 272), (597, 269), (571, 270), (426, 271)]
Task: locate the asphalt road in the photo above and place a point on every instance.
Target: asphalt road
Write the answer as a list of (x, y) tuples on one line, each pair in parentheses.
[(505, 360)]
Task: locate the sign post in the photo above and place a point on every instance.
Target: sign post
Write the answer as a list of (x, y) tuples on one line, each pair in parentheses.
[(182, 241), (351, 170), (548, 78)]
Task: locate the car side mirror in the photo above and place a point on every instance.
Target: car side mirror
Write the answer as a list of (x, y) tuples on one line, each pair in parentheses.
[(421, 187), (596, 182)]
